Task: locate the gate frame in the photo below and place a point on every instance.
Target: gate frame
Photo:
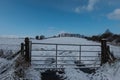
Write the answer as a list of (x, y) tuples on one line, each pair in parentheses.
[(28, 44)]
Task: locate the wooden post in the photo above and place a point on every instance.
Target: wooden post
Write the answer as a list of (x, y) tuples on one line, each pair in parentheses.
[(27, 50), (30, 49), (56, 55), (103, 51), (22, 49), (80, 55)]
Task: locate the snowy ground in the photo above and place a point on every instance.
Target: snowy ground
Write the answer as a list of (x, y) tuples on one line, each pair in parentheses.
[(106, 72), (10, 44)]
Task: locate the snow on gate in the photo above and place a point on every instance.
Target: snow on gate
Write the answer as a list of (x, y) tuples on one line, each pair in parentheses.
[(50, 55)]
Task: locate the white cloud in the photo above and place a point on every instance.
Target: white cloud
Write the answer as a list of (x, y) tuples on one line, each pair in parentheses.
[(114, 15), (89, 7), (80, 9), (77, 9)]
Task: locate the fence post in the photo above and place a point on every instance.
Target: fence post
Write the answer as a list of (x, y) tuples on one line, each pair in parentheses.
[(80, 55), (103, 51), (30, 49), (56, 55), (22, 49), (27, 50)]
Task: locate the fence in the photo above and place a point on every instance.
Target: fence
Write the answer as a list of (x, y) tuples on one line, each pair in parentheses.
[(115, 50), (56, 58)]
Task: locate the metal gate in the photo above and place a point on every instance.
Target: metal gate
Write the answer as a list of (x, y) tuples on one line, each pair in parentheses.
[(51, 55)]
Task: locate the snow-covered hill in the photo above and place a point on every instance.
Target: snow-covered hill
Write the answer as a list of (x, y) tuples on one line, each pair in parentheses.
[(66, 40)]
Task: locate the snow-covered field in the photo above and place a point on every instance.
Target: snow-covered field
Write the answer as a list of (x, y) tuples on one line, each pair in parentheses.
[(106, 72), (13, 44)]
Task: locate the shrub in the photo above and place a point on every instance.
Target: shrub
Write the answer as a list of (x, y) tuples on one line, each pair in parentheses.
[(42, 37), (37, 37)]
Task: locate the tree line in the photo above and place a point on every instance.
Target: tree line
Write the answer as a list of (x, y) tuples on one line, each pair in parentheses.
[(40, 37), (108, 35)]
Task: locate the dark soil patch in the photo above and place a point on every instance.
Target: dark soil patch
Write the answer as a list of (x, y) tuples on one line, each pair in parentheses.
[(87, 70), (51, 75)]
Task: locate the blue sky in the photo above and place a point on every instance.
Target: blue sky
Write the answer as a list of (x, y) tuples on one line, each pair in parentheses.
[(50, 17)]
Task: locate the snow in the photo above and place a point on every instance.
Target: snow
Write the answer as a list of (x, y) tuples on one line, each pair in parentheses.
[(66, 40), (10, 44), (6, 70), (109, 71), (73, 74), (15, 41), (32, 74)]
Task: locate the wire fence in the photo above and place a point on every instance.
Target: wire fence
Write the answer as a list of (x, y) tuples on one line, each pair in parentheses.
[(115, 50)]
